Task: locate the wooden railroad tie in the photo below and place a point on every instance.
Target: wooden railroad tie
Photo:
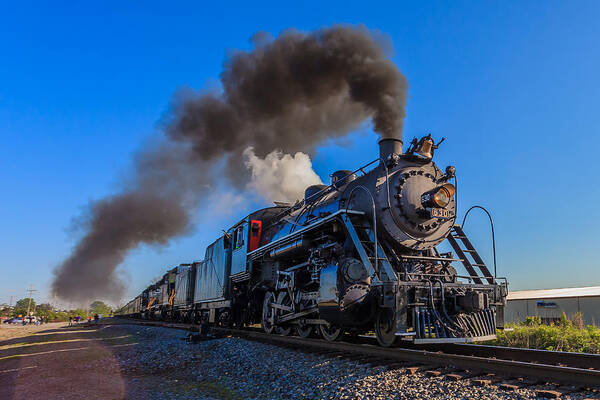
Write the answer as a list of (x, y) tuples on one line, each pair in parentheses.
[(548, 394)]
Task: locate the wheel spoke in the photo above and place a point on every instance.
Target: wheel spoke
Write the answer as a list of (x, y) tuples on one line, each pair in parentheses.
[(304, 331), (331, 333), (283, 299)]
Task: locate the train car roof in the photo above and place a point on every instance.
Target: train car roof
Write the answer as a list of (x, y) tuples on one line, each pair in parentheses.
[(263, 213)]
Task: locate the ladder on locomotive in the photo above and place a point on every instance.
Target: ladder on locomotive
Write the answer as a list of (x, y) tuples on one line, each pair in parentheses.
[(457, 237), (366, 235)]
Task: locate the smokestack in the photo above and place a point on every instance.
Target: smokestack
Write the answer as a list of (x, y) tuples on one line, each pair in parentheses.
[(389, 146)]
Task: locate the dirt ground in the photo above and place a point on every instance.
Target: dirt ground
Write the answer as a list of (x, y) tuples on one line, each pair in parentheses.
[(17, 330), (54, 361)]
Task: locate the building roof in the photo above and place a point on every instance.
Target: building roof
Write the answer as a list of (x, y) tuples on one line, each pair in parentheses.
[(590, 291)]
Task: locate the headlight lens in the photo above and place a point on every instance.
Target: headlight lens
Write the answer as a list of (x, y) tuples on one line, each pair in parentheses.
[(442, 197)]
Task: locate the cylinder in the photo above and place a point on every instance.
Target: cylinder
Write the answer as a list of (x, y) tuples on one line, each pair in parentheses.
[(389, 146)]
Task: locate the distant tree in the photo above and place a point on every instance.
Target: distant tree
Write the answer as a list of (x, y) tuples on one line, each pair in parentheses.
[(99, 307), (44, 307), (21, 306), (59, 316), (80, 311), (44, 310)]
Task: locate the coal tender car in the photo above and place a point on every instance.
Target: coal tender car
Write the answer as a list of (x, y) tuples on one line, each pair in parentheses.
[(357, 256)]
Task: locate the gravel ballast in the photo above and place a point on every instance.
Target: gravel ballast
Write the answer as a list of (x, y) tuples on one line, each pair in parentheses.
[(162, 365)]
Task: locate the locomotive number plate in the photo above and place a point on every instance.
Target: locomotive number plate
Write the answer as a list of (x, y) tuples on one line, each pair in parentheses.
[(441, 213)]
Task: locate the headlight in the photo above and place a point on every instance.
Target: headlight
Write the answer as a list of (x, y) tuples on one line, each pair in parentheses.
[(443, 195), (439, 197)]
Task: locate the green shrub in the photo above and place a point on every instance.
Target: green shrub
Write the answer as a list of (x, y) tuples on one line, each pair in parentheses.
[(577, 320), (59, 317), (565, 335), (533, 321)]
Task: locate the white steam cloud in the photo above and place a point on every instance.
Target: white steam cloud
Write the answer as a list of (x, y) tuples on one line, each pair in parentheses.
[(280, 177)]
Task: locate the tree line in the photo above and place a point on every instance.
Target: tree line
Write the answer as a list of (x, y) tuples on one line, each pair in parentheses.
[(46, 310)]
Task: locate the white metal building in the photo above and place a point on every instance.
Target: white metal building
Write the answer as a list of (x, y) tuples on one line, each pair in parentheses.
[(549, 304)]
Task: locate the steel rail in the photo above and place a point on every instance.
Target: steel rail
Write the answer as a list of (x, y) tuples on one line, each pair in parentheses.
[(577, 360)]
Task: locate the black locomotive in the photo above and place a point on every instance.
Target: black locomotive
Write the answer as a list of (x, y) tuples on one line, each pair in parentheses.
[(356, 256)]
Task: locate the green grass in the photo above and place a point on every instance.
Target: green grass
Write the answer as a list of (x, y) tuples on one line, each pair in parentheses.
[(217, 389), (566, 335)]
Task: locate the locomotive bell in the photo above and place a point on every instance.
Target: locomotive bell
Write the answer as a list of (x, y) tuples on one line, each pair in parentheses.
[(425, 147)]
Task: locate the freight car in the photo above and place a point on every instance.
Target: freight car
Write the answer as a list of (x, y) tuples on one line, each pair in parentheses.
[(359, 255)]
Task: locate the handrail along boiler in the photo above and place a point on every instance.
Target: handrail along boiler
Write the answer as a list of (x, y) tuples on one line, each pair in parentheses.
[(356, 256)]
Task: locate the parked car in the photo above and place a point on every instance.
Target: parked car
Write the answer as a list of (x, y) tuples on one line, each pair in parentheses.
[(14, 321)]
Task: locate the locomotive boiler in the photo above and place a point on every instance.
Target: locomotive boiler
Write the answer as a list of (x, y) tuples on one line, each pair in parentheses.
[(357, 256)]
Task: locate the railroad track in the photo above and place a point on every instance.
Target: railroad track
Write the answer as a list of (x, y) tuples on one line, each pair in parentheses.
[(551, 374)]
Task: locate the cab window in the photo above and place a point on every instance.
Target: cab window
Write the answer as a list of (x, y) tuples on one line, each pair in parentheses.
[(238, 238)]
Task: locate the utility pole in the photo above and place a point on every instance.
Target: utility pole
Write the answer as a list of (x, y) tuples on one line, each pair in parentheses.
[(30, 290), (10, 304)]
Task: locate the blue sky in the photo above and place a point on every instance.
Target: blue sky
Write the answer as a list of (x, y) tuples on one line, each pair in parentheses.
[(513, 86)]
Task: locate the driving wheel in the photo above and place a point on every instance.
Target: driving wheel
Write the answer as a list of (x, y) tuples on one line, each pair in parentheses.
[(268, 313), (331, 333), (304, 330), (385, 327), (284, 299)]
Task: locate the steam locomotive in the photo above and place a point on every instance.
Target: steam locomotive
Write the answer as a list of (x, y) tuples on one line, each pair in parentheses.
[(357, 256)]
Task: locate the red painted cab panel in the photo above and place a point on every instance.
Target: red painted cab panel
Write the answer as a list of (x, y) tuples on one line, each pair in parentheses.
[(255, 231)]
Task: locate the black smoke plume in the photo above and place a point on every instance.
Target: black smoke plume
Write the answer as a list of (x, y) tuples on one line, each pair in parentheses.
[(290, 94)]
